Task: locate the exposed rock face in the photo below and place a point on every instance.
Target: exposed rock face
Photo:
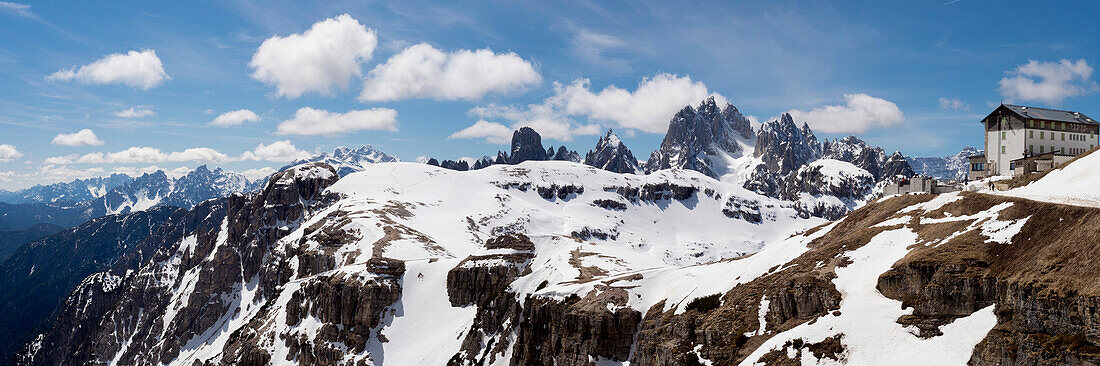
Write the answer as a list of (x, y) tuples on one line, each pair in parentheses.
[(212, 253), (478, 280), (612, 155), (952, 167), (564, 154), (1046, 304), (696, 135), (788, 153), (39, 276), (783, 147), (346, 160), (204, 184), (76, 191), (896, 165), (817, 179), (526, 145), (346, 301), (455, 165), (482, 163)]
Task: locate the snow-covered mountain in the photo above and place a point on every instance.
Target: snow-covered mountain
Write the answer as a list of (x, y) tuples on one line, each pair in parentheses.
[(157, 189), (346, 160), (549, 262), (952, 167), (74, 191), (398, 231), (611, 154), (782, 165), (697, 138)]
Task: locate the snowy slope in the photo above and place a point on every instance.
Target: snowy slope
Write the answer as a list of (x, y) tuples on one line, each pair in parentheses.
[(1074, 184), (431, 218)]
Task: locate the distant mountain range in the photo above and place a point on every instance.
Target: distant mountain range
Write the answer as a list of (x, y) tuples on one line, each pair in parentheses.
[(780, 160), (952, 167), (716, 141)]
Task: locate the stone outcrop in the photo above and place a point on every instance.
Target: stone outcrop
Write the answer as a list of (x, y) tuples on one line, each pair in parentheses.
[(526, 145), (1040, 284)]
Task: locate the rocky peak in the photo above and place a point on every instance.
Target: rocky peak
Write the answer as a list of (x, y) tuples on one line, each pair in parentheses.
[(612, 155), (784, 147), (896, 165), (695, 135), (564, 154), (526, 145), (347, 160), (483, 162)]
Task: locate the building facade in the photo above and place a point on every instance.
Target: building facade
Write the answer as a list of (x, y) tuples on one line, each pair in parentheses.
[(1013, 132)]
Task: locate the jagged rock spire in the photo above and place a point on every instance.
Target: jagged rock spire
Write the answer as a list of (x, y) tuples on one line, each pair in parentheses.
[(696, 134), (612, 155)]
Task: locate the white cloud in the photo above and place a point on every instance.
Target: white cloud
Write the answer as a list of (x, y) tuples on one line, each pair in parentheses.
[(326, 55), (78, 138), (648, 108), (135, 69), (6, 176), (51, 173), (859, 113), (492, 132), (154, 155), (422, 71), (62, 160), (953, 103), (547, 118), (258, 173), (1048, 82), (135, 113), (234, 118), (593, 46), (21, 9), (309, 121), (276, 151), (9, 153)]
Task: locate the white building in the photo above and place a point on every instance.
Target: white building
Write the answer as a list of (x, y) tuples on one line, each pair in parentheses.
[(1013, 132)]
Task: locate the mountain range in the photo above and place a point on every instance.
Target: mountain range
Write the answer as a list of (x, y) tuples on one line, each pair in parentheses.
[(551, 262), (952, 167), (728, 245)]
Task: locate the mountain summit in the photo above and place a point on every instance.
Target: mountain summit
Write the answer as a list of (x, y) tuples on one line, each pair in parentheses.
[(612, 155), (697, 135)]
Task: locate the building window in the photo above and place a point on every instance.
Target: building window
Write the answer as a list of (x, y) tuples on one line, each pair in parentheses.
[(1031, 134), (1002, 149), (1062, 151), (1031, 123), (1063, 137), (1042, 149), (1002, 135), (1042, 134), (1031, 148)]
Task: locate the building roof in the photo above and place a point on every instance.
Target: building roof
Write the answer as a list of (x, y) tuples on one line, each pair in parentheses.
[(1051, 114)]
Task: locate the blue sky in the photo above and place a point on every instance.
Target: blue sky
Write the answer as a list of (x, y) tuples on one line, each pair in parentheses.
[(408, 76)]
